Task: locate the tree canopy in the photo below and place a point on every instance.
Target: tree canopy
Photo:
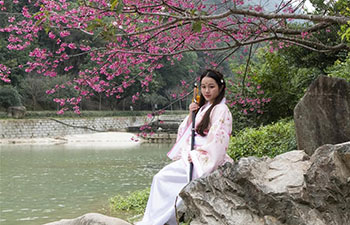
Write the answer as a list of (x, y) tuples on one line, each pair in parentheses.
[(128, 40)]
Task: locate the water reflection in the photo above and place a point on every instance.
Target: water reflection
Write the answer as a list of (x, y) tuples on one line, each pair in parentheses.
[(39, 184)]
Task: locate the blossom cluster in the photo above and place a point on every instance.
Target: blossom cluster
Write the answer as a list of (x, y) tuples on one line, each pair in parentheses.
[(4, 73), (247, 98)]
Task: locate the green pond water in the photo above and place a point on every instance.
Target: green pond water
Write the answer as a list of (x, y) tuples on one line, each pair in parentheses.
[(41, 184)]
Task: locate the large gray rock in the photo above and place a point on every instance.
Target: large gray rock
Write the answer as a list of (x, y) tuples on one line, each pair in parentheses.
[(323, 114), (91, 219), (291, 189)]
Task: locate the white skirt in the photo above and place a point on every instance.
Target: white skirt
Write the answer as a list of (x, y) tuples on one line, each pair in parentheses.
[(166, 186)]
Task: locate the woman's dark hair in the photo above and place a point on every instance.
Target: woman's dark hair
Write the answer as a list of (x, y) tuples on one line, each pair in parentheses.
[(219, 79)]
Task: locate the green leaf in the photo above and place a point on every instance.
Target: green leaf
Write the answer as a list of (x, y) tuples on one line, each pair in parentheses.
[(93, 26), (119, 8), (46, 13), (114, 3), (197, 26), (36, 14), (98, 20), (47, 29), (346, 35)]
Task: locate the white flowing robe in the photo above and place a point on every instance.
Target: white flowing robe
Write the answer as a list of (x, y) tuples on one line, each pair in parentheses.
[(208, 154)]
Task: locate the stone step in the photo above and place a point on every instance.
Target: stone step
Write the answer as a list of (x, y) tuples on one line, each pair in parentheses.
[(161, 138)]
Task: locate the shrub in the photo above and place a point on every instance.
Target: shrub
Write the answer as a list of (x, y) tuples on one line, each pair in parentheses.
[(340, 69), (269, 140), (9, 97), (135, 201)]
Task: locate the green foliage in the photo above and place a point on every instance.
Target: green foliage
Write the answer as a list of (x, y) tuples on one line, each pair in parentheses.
[(9, 96), (345, 32), (241, 121), (269, 140), (340, 69), (343, 7), (197, 26), (135, 201), (119, 5), (283, 82)]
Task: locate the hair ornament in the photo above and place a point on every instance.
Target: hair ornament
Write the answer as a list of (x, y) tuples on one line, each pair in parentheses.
[(222, 81)]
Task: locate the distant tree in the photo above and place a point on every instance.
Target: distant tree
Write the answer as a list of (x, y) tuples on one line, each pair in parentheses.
[(34, 88)]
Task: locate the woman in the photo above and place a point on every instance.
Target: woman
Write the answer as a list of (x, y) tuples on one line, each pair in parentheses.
[(213, 125)]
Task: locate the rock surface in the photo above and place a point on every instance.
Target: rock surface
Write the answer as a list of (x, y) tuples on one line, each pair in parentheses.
[(16, 111), (323, 114), (91, 219), (292, 189)]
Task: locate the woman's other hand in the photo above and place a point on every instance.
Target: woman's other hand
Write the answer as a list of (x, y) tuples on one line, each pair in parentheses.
[(189, 157), (193, 107)]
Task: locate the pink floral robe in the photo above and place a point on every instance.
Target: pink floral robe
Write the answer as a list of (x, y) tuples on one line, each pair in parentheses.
[(209, 153)]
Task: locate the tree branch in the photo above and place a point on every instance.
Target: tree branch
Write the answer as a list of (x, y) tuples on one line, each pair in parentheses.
[(268, 16)]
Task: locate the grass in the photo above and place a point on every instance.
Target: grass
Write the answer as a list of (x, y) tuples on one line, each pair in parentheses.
[(131, 206)]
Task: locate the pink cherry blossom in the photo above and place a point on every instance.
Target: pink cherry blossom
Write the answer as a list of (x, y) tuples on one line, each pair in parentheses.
[(52, 35)]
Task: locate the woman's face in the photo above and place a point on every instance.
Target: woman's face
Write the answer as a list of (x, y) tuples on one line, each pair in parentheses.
[(209, 89)]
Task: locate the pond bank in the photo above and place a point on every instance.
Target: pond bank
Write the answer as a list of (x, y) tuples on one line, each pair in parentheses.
[(101, 139)]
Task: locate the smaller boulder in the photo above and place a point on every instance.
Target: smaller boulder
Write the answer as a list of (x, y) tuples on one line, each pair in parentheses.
[(91, 219), (16, 111)]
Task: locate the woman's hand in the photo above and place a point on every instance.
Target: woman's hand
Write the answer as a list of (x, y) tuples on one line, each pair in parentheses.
[(193, 107), (189, 157)]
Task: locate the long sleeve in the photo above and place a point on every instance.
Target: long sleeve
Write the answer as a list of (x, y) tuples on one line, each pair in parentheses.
[(209, 156), (182, 128), (181, 140)]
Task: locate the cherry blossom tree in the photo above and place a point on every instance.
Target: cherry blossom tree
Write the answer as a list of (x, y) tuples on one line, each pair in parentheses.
[(135, 34)]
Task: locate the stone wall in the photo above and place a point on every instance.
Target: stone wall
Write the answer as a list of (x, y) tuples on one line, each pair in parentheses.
[(36, 128)]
